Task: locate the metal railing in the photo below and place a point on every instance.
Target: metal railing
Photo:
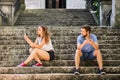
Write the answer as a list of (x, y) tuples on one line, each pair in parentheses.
[(4, 18), (3, 14)]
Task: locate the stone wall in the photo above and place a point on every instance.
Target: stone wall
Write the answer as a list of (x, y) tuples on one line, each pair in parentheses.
[(117, 14), (9, 8)]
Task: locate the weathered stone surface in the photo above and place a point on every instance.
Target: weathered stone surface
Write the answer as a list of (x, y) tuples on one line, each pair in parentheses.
[(61, 17), (61, 63), (14, 50), (117, 20), (52, 69), (58, 76)]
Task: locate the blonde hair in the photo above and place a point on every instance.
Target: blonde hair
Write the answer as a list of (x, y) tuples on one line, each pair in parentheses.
[(46, 33)]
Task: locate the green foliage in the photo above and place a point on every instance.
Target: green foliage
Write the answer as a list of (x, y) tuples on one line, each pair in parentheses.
[(96, 5)]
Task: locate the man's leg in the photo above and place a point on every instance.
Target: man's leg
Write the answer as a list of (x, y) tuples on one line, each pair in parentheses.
[(98, 55), (78, 54), (100, 61)]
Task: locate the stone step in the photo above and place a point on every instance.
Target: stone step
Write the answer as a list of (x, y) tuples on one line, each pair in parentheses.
[(59, 76), (14, 57), (105, 29), (61, 63), (57, 51), (21, 42), (54, 33), (64, 38), (59, 69), (60, 23), (7, 0), (55, 17), (7, 31), (60, 46)]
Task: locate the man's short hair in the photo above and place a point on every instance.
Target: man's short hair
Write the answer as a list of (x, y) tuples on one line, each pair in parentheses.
[(87, 28)]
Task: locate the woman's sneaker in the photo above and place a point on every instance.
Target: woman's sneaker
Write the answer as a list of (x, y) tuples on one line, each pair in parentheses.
[(38, 65), (76, 72), (22, 65), (101, 72)]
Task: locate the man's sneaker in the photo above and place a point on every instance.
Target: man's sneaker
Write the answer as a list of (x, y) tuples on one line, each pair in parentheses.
[(38, 65), (22, 65), (76, 72), (101, 72)]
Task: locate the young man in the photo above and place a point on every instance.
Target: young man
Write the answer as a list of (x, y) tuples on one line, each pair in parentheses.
[(87, 48)]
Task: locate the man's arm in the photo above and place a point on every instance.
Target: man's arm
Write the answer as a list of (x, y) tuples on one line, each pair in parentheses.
[(94, 44), (80, 46), (88, 41)]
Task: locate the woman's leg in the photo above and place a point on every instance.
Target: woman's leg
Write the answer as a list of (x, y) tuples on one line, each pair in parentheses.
[(30, 50), (38, 55)]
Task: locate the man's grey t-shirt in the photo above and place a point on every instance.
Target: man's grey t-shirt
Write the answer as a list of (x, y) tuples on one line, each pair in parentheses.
[(87, 47)]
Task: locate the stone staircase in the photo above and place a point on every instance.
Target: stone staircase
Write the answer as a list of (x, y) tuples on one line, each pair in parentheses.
[(14, 50), (55, 17)]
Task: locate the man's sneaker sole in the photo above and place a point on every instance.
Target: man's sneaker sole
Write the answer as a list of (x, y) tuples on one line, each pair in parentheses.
[(102, 73), (76, 73)]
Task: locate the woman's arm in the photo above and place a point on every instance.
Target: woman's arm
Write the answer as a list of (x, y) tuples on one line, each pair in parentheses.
[(36, 40), (34, 45)]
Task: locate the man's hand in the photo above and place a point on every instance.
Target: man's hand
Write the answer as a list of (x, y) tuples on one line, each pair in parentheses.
[(88, 41)]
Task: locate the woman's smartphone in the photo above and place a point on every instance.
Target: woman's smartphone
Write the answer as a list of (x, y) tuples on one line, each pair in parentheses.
[(25, 34)]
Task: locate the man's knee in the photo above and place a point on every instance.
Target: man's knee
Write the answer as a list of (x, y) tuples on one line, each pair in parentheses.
[(78, 52), (97, 52)]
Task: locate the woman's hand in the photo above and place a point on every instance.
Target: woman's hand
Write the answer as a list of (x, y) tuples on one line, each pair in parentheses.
[(29, 41), (26, 37)]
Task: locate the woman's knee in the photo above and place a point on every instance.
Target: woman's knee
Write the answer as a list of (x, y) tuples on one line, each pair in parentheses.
[(30, 50)]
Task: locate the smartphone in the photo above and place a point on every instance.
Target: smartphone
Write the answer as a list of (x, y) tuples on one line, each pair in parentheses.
[(26, 34)]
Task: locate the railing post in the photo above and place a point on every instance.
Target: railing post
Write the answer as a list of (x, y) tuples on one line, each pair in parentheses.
[(113, 13), (12, 18), (0, 20), (101, 17)]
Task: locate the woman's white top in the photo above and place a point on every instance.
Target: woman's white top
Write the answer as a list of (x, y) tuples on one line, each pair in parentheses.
[(46, 47)]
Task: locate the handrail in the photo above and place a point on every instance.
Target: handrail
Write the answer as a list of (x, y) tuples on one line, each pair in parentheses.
[(3, 14)]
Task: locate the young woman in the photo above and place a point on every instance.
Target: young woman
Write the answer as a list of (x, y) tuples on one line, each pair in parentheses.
[(42, 49)]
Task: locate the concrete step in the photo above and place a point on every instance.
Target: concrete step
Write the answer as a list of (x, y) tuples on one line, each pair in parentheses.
[(7, 0), (65, 31), (61, 63), (60, 46), (59, 69), (104, 29), (62, 37), (59, 76), (14, 57), (55, 33), (55, 17), (21, 42), (57, 51)]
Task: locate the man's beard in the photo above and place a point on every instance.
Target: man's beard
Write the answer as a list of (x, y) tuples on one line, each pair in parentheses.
[(85, 36)]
